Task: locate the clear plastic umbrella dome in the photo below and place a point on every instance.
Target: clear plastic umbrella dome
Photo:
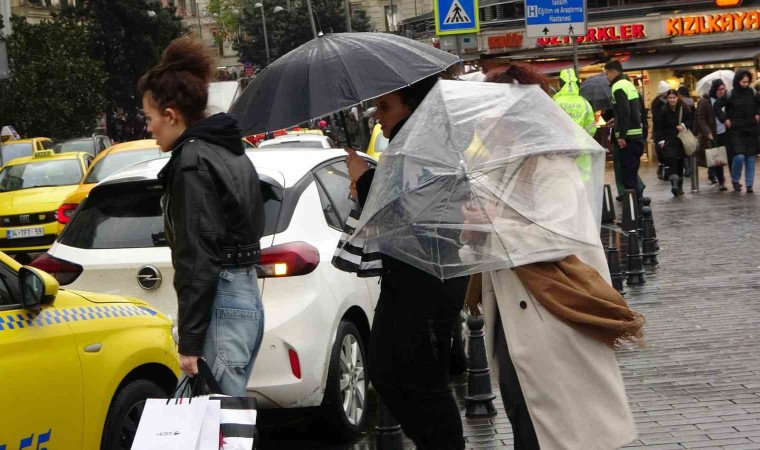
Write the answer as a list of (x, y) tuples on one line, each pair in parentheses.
[(485, 176), (705, 83)]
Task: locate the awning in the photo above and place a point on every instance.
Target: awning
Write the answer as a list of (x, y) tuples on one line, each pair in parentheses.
[(550, 67), (648, 61), (702, 56)]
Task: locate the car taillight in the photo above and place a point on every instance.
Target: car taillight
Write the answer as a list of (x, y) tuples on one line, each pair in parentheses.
[(288, 260), (295, 364), (63, 271), (66, 212)]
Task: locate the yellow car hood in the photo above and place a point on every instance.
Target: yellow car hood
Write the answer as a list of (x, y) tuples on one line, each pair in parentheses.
[(41, 199)]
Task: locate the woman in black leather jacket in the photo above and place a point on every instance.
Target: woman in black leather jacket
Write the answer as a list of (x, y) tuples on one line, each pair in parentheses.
[(213, 217), (415, 317)]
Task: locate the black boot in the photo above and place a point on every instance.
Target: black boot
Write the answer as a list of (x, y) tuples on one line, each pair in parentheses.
[(737, 186), (674, 185), (749, 190), (680, 185)]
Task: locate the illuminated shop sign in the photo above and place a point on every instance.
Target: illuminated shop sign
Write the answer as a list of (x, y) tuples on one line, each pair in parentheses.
[(507, 40), (622, 32), (724, 3), (713, 23)]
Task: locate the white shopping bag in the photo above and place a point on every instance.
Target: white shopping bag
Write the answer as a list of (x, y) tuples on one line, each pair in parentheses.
[(172, 425), (209, 436)]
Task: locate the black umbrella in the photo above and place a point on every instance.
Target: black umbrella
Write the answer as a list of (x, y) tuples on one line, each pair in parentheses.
[(332, 73), (596, 90)]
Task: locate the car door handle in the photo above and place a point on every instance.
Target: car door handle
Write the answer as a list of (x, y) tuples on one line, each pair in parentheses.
[(93, 348)]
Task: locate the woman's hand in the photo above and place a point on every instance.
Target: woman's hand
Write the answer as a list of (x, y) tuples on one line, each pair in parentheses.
[(357, 166), (727, 123), (681, 128), (189, 364)]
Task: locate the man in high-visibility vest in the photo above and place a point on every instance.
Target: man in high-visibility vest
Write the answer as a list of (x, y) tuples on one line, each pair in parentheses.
[(629, 134), (579, 109)]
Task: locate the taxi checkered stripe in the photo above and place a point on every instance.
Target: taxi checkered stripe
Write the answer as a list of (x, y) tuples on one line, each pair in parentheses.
[(13, 321)]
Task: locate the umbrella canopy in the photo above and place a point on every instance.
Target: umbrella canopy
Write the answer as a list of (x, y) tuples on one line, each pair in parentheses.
[(485, 176), (704, 84), (332, 73), (596, 90)]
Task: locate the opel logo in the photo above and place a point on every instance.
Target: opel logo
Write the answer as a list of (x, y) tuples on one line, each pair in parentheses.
[(149, 277), (23, 218)]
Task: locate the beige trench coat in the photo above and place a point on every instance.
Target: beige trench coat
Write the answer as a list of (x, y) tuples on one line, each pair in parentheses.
[(571, 382)]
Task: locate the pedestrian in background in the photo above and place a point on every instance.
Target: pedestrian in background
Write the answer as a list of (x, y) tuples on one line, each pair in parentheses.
[(569, 99), (739, 111), (685, 96), (213, 217), (659, 101), (712, 133), (670, 121), (629, 140), (415, 316)]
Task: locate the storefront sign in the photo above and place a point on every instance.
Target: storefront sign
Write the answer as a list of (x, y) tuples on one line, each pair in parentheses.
[(622, 32), (507, 40), (724, 3), (713, 23)]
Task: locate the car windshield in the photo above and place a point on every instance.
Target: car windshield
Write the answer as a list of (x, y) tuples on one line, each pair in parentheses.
[(115, 161), (293, 144), (40, 173), (128, 215), (13, 151), (79, 145)]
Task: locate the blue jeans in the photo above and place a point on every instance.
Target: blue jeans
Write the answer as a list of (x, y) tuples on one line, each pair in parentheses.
[(736, 171), (234, 335)]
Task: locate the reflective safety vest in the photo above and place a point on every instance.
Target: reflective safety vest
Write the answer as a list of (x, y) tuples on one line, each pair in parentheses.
[(634, 107), (569, 99)]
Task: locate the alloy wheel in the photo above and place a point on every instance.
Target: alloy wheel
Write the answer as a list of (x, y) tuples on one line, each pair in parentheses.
[(353, 384)]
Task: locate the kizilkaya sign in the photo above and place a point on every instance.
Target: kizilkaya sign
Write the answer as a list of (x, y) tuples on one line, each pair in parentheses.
[(713, 23), (620, 32)]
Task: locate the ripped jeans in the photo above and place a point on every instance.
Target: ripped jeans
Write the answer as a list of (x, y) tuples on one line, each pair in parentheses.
[(234, 335)]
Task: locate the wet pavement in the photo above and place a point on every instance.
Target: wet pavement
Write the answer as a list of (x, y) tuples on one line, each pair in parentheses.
[(696, 382)]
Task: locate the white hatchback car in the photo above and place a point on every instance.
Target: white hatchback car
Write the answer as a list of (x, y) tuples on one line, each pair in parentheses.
[(299, 140), (317, 317)]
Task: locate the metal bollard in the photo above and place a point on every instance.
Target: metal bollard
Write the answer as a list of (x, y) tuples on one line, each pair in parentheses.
[(613, 262), (608, 206), (646, 201), (635, 272), (649, 242), (479, 399), (630, 211), (694, 175), (389, 434)]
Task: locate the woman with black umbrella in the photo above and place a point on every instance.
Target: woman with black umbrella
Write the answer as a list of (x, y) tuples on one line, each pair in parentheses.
[(415, 317)]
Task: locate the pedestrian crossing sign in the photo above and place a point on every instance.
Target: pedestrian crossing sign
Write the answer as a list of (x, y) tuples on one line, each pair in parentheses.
[(456, 16)]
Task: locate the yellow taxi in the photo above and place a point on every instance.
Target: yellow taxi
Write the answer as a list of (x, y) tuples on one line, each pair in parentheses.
[(107, 162), (77, 367), (19, 148), (31, 191)]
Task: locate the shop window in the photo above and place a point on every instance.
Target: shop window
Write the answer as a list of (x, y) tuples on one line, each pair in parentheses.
[(486, 14), (499, 13)]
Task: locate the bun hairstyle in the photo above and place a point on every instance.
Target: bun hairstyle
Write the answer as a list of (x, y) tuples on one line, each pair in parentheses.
[(180, 80), (414, 94), (523, 74)]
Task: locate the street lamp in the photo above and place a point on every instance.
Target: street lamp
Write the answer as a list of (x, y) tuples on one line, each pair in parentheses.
[(264, 22)]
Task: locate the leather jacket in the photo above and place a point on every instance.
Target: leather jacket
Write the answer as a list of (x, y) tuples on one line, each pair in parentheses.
[(212, 201)]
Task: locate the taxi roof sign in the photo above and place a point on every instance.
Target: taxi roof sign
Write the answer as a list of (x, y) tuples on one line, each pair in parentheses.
[(44, 153)]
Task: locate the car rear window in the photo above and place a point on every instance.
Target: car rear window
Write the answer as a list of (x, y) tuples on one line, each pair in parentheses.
[(129, 215), (80, 145), (9, 152), (115, 161)]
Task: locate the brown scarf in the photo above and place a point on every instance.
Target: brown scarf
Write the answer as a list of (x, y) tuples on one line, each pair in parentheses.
[(578, 295)]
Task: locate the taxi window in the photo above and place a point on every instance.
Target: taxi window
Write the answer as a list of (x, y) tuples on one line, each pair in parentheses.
[(8, 293), (12, 151), (40, 174), (115, 161), (79, 145)]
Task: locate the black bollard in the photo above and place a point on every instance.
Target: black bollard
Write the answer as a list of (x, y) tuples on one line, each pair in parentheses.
[(635, 270), (648, 243), (389, 434), (479, 399), (630, 211), (613, 262), (608, 206), (648, 202)]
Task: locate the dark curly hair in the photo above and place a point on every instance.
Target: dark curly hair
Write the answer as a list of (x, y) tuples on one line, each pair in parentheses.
[(523, 73), (180, 80)]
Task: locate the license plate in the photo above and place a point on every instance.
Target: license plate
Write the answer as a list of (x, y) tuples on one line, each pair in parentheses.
[(25, 233)]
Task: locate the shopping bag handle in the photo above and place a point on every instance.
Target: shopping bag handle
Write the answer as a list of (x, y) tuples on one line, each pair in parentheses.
[(180, 390), (205, 376)]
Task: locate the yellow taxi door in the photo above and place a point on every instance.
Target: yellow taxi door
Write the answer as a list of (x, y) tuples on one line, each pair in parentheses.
[(40, 375)]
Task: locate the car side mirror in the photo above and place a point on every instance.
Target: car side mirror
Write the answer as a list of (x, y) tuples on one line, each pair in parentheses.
[(36, 287)]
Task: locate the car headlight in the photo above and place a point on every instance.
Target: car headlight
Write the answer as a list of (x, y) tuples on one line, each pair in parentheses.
[(175, 331)]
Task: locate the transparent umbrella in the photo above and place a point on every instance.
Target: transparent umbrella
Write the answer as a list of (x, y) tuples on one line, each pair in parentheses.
[(704, 83), (485, 176)]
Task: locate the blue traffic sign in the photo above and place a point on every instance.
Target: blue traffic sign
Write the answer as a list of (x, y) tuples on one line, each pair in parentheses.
[(456, 16), (555, 17)]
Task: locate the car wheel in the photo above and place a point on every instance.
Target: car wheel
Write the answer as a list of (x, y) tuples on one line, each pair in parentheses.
[(125, 412), (345, 401)]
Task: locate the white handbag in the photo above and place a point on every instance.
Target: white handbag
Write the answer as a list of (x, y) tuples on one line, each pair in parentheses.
[(716, 156), (689, 141)]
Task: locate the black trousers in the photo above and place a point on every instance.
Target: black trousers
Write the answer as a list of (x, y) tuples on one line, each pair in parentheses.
[(512, 395), (675, 167), (630, 162), (410, 351)]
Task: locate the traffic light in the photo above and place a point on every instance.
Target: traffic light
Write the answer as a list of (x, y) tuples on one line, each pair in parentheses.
[(723, 3)]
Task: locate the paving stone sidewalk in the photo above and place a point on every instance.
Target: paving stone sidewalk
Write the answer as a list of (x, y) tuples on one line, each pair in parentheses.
[(696, 383)]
